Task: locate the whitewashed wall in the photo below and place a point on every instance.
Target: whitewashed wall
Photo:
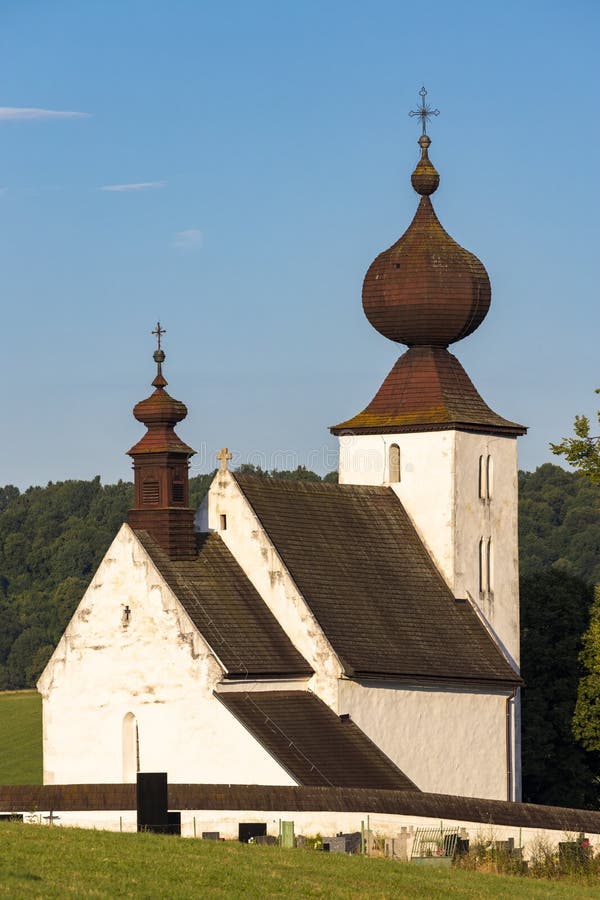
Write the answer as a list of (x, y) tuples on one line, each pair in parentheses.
[(157, 667), (449, 741)]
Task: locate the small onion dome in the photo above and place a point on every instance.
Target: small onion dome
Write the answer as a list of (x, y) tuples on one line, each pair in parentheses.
[(160, 413), (426, 289), (160, 409)]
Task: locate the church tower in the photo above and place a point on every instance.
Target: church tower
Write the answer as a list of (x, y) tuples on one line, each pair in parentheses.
[(427, 432), (160, 466)]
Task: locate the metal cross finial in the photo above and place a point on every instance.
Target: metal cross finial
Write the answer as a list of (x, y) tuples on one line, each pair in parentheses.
[(425, 112), (158, 331), (224, 456)]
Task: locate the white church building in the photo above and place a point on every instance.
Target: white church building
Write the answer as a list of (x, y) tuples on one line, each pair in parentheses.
[(360, 634)]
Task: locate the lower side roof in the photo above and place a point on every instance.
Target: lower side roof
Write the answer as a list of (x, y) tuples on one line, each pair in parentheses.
[(314, 745), (228, 611)]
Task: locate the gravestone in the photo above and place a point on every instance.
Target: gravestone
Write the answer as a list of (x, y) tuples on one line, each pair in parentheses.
[(247, 830)]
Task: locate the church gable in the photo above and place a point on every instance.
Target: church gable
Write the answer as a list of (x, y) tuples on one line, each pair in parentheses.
[(128, 606), (227, 511)]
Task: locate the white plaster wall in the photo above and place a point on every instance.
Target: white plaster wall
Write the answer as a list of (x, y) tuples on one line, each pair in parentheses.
[(448, 741), (495, 518), (157, 667), (252, 548)]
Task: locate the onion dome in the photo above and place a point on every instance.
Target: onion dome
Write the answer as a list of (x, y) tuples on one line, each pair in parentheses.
[(160, 413), (426, 289)]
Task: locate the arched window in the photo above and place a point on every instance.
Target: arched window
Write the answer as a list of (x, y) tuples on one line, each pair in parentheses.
[(482, 478), (489, 566), (394, 463), (131, 748)]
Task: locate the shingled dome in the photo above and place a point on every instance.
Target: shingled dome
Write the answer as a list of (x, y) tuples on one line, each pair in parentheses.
[(426, 289)]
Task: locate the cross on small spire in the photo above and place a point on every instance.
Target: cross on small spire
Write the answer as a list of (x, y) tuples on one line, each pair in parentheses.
[(158, 331), (424, 112), (224, 456)]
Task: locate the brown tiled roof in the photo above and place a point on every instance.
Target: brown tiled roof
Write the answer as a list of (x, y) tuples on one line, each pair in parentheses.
[(428, 389), (228, 611), (313, 744), (283, 798), (361, 567)]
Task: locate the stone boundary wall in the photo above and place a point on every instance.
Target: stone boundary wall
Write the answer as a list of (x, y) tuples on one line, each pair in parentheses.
[(283, 801)]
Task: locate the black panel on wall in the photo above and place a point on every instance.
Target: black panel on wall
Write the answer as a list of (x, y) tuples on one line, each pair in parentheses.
[(152, 813)]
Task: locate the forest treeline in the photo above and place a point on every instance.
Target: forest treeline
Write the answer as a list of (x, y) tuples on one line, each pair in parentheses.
[(52, 539)]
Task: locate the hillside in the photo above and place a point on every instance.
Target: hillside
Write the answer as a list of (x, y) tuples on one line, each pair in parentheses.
[(559, 523), (21, 741), (38, 861)]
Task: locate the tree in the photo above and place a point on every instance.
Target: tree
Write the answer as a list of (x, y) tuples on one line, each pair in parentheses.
[(586, 720), (582, 451), (554, 615)]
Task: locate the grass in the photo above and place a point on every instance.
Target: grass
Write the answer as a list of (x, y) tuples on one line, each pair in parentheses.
[(20, 737), (39, 861)]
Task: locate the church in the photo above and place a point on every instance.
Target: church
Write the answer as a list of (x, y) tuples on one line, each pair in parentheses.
[(359, 634)]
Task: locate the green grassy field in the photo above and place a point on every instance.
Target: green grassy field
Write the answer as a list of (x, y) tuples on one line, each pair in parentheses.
[(38, 861), (20, 737)]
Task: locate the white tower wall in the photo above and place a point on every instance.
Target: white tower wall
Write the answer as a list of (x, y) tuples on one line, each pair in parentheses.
[(467, 520)]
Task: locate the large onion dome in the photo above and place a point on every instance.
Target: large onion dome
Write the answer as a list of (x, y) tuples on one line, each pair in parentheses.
[(426, 289)]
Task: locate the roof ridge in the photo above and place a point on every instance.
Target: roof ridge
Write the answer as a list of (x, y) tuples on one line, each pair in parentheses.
[(291, 483)]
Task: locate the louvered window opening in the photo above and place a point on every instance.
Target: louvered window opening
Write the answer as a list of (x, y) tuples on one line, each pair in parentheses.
[(150, 492)]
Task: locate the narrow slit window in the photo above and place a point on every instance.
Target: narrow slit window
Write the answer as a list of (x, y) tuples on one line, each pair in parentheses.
[(481, 566), (481, 478), (488, 565), (489, 477), (223, 522), (394, 462)]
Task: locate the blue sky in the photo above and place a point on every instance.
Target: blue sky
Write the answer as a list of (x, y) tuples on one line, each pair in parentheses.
[(271, 151)]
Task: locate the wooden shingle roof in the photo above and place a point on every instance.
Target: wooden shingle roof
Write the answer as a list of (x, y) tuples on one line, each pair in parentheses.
[(357, 560), (228, 611), (427, 390), (313, 744)]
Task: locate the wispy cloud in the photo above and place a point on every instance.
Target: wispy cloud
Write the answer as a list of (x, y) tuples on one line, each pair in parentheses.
[(190, 239), (135, 186), (22, 113)]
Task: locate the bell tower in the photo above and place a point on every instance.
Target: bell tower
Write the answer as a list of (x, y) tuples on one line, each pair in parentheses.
[(160, 466), (427, 432)]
